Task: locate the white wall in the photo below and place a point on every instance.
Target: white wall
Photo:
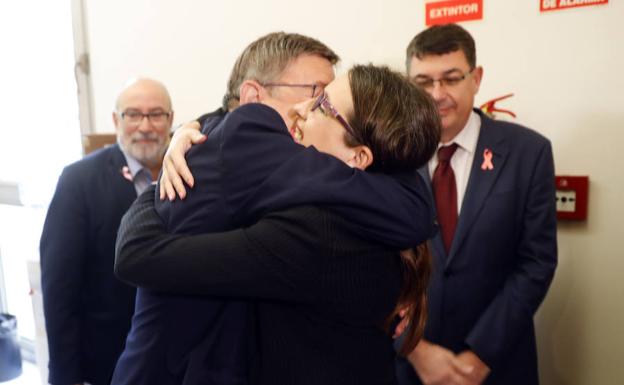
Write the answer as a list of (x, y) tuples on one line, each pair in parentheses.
[(565, 68)]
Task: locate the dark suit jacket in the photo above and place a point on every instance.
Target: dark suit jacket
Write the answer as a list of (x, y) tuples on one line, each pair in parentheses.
[(248, 166), (484, 293), (323, 290), (87, 309)]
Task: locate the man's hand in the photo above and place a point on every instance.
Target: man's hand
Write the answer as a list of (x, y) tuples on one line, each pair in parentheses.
[(174, 168), (481, 370), (436, 365)]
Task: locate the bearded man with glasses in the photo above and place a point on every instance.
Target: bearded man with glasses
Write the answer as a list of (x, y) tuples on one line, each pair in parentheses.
[(87, 309)]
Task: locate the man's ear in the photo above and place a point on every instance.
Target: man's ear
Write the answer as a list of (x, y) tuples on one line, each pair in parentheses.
[(250, 91), (362, 158), (477, 75), (170, 124), (116, 119)]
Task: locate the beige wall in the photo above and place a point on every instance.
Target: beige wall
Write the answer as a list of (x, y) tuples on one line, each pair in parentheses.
[(566, 69)]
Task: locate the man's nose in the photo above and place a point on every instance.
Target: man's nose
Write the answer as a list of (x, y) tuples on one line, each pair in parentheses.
[(303, 108), (145, 125), (437, 91)]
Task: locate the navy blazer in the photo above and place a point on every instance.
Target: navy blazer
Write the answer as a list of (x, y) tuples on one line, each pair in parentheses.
[(323, 292), (87, 309), (484, 293), (248, 166)]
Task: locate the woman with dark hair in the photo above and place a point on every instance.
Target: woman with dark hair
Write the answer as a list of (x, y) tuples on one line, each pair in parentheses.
[(325, 294), (390, 126)]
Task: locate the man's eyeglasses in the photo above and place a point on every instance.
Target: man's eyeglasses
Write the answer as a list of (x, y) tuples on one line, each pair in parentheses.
[(315, 89), (325, 106), (446, 81), (135, 117)]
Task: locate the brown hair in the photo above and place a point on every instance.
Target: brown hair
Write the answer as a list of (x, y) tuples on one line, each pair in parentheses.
[(440, 40), (266, 58), (400, 124), (398, 121), (413, 297)]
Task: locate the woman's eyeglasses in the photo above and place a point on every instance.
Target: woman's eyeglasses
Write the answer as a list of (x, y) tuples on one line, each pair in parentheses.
[(325, 106)]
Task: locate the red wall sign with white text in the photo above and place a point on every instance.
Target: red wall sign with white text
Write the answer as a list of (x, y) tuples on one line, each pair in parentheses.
[(557, 5), (444, 12)]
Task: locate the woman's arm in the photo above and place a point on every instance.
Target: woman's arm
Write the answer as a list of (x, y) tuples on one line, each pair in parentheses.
[(273, 259), (395, 210)]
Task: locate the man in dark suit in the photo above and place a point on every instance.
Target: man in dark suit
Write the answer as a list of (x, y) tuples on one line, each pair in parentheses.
[(496, 251), (87, 309), (250, 165)]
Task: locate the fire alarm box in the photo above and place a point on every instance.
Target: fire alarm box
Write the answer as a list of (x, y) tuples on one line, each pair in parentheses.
[(571, 195)]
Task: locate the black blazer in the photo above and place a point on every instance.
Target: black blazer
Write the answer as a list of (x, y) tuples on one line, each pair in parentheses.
[(323, 291), (249, 166), (87, 309), (484, 293)]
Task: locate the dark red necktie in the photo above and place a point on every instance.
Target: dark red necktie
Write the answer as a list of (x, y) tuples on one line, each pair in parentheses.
[(445, 193)]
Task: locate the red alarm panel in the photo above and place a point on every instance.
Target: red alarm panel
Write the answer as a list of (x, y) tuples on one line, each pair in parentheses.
[(571, 198)]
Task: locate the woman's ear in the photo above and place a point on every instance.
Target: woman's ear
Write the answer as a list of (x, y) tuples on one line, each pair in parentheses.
[(362, 157), (250, 92)]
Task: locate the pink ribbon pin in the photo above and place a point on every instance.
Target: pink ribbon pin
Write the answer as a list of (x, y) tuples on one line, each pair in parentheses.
[(125, 171), (487, 160)]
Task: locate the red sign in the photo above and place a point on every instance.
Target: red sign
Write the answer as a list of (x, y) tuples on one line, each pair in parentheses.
[(444, 12), (556, 5)]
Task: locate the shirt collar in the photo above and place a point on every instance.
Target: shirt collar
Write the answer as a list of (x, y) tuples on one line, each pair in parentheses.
[(469, 135), (134, 166)]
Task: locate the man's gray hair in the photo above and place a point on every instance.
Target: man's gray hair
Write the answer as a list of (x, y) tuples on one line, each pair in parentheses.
[(266, 58)]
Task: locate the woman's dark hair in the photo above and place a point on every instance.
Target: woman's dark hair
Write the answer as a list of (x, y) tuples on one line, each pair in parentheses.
[(398, 121), (400, 124), (413, 297)]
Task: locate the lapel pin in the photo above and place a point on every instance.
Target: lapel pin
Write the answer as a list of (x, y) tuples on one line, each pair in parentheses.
[(125, 171), (487, 160)]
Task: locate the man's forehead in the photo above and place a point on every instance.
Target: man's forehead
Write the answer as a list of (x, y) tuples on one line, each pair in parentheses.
[(439, 64), (141, 99), (143, 92), (308, 69)]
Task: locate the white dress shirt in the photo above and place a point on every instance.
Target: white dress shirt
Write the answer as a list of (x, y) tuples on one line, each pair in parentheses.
[(141, 176), (463, 157)]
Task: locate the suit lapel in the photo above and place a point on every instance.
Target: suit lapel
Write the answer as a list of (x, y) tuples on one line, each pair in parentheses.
[(480, 182), (120, 185)]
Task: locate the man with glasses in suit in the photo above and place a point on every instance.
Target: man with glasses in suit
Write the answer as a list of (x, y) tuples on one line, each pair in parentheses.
[(496, 251), (87, 309)]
